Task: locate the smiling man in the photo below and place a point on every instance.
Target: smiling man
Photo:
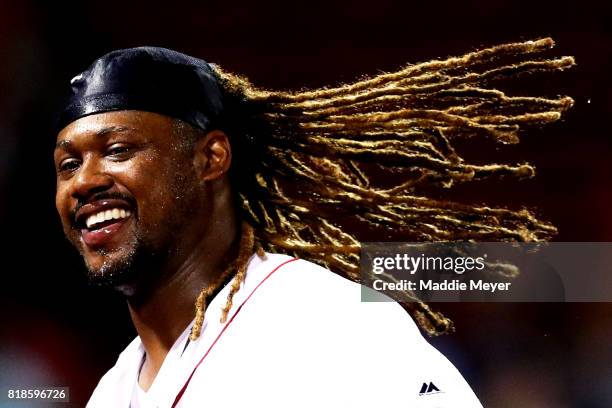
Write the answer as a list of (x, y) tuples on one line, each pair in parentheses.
[(183, 185)]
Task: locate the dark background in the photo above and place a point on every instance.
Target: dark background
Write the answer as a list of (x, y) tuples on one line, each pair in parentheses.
[(57, 331)]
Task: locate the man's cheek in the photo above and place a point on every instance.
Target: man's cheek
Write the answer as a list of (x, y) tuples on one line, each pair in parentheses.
[(66, 225), (71, 233), (73, 236)]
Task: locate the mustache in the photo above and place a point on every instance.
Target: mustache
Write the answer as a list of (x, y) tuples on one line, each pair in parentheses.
[(102, 196)]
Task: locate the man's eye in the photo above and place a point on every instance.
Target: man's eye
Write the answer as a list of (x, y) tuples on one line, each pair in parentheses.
[(117, 150), (68, 165)]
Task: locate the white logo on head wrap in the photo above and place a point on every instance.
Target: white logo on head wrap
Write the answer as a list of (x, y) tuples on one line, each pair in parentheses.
[(76, 79)]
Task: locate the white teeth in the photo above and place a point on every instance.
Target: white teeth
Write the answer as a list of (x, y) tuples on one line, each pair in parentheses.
[(113, 213)]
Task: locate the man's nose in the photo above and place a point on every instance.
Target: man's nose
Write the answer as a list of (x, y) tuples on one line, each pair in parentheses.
[(91, 178)]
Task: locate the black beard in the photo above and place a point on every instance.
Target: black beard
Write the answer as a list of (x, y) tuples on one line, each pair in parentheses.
[(138, 271), (141, 265)]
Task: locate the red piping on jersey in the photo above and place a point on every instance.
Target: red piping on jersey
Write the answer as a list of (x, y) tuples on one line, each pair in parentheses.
[(182, 391)]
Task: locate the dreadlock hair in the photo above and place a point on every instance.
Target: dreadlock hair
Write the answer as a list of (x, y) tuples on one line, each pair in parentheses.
[(236, 268), (302, 160)]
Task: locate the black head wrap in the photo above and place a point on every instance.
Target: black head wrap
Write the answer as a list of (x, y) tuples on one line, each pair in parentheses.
[(149, 79)]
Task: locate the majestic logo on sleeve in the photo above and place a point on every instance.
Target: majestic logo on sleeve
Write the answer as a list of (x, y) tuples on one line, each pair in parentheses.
[(428, 389)]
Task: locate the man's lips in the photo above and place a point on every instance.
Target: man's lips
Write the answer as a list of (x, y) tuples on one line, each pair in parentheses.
[(97, 207), (105, 234), (100, 221)]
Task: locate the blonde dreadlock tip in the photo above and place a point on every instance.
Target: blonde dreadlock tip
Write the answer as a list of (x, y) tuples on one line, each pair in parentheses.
[(566, 62), (567, 102), (545, 42), (261, 253)]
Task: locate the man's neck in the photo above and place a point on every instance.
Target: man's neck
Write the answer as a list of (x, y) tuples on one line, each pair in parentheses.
[(165, 314), (161, 313)]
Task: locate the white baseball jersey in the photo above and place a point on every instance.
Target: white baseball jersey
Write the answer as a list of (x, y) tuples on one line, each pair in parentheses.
[(298, 335)]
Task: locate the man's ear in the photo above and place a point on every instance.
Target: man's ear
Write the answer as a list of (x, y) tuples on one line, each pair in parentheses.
[(212, 155)]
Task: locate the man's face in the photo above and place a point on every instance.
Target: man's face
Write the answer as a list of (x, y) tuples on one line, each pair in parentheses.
[(126, 187)]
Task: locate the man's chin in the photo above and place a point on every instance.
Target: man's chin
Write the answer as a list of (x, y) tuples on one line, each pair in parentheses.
[(124, 268), (111, 271), (108, 268)]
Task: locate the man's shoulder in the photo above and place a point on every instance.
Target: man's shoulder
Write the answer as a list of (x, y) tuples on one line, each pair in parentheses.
[(117, 382), (309, 291), (297, 273), (310, 322), (302, 280)]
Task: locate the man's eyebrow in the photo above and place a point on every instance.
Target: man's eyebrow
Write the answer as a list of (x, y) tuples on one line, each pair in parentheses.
[(65, 144), (113, 129)]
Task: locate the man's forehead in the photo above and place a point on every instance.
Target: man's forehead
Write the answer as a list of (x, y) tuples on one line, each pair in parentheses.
[(102, 124)]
